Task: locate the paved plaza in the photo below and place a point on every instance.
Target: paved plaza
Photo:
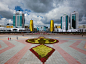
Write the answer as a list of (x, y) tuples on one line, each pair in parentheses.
[(71, 49)]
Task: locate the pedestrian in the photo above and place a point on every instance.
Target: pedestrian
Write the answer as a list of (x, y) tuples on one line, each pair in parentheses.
[(8, 38), (82, 35), (17, 38)]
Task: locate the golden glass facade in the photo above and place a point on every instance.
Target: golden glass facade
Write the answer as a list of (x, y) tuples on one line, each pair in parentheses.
[(31, 25), (9, 26), (52, 25), (57, 26)]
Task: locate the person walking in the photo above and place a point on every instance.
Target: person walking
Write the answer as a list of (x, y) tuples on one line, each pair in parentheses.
[(82, 35), (8, 38), (17, 38)]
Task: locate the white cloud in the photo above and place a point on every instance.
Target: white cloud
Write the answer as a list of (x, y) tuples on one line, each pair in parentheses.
[(4, 21), (55, 14), (3, 7), (83, 21), (58, 12), (36, 20), (12, 3)]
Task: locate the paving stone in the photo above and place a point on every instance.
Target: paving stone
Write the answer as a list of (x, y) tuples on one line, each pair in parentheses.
[(74, 53), (55, 58), (5, 56), (81, 45), (3, 45)]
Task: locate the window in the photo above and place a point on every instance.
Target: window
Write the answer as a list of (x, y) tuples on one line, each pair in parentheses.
[(74, 21)]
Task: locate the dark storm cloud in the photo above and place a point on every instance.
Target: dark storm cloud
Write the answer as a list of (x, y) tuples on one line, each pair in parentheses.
[(83, 22), (41, 6), (46, 21), (75, 5), (82, 9), (57, 21), (78, 5), (6, 14), (44, 6)]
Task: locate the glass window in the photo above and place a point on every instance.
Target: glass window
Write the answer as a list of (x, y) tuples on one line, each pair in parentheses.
[(13, 20), (66, 22), (61, 22), (74, 21), (18, 20)]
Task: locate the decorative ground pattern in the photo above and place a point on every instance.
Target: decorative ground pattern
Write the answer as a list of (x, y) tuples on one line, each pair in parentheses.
[(42, 52), (71, 49), (42, 40)]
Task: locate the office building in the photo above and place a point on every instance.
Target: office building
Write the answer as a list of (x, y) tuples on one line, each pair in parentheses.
[(37, 29), (18, 20), (31, 25), (64, 22), (74, 20), (57, 26), (45, 28), (2, 26), (51, 25)]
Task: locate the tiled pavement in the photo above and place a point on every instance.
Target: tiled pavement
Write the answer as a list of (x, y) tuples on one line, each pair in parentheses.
[(70, 50)]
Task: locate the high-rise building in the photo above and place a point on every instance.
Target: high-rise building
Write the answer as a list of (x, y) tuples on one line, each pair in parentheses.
[(74, 20), (18, 20), (65, 22), (31, 25), (45, 28), (37, 29), (52, 25)]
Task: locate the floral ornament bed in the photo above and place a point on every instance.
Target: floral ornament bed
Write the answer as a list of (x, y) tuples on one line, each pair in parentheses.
[(42, 40), (42, 52)]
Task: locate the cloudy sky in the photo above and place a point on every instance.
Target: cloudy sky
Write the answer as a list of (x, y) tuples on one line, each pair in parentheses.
[(41, 11)]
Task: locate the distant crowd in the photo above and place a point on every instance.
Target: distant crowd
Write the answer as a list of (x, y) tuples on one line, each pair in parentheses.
[(9, 38)]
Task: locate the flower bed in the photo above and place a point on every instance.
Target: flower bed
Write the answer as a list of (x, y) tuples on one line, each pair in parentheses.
[(42, 52), (42, 40)]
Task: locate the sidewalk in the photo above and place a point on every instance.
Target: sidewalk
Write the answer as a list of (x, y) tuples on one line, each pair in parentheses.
[(69, 50)]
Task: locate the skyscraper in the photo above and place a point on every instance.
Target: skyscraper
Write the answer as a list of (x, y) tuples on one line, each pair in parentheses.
[(18, 20), (45, 28), (52, 25), (65, 22), (74, 20), (31, 25), (37, 29)]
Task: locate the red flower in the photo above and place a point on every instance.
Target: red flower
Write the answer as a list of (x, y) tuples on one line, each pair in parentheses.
[(43, 59)]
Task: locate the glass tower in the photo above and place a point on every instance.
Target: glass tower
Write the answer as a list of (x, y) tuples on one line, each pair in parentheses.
[(67, 21), (64, 22), (18, 20), (31, 25), (14, 21), (37, 29), (61, 22), (74, 20), (51, 25)]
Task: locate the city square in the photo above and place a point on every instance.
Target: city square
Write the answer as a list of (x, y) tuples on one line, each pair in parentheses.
[(71, 49), (42, 31)]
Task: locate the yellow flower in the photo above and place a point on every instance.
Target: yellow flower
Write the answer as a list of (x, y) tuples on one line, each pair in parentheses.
[(36, 41), (42, 50), (47, 41)]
